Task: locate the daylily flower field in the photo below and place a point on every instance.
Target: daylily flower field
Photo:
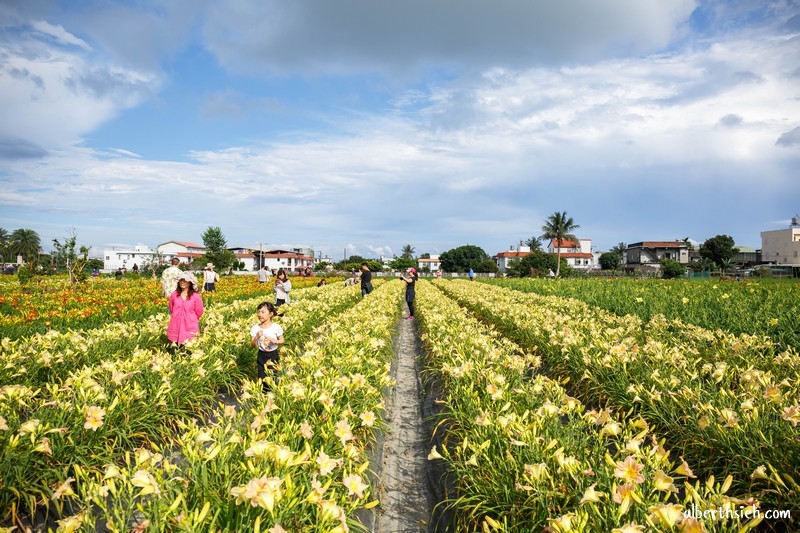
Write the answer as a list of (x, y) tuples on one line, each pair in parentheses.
[(551, 413)]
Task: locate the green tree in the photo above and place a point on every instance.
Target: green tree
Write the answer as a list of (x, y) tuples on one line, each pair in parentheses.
[(619, 249), (426, 255), (322, 266), (25, 242), (488, 266), (407, 252), (401, 263), (535, 264), (704, 265), (559, 226), (672, 269), (65, 256), (64, 252), (610, 261), (534, 243), (347, 264), (4, 244), (462, 258), (719, 249), (354, 263), (217, 252)]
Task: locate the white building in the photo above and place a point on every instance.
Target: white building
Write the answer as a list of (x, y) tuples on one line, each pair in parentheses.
[(246, 255), (578, 254), (433, 263), (782, 246), (140, 256), (185, 251), (503, 259), (289, 260)]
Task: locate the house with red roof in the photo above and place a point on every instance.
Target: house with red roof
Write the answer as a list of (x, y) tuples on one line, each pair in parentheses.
[(503, 259), (183, 250), (295, 260), (429, 264), (578, 254)]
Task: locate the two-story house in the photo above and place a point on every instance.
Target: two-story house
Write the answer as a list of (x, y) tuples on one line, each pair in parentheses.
[(503, 259), (290, 260), (185, 251), (578, 254), (432, 263), (648, 254)]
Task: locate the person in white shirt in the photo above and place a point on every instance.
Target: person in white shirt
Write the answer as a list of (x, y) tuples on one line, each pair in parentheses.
[(263, 275), (282, 288), (266, 336), (210, 278)]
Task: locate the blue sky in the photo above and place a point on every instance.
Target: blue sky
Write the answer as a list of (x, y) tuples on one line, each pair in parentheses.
[(362, 126)]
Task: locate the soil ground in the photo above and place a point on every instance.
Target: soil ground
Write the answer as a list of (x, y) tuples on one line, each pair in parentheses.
[(406, 500)]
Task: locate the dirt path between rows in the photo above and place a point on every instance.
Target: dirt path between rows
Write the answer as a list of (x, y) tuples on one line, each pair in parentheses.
[(406, 500)]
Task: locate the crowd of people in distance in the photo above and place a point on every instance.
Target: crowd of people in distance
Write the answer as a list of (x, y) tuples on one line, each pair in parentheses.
[(182, 289)]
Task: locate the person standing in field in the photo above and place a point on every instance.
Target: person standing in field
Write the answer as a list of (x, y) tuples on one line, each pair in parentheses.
[(282, 288), (471, 275), (266, 336), (210, 278), (411, 282), (169, 278), (186, 308), (366, 279), (264, 275)]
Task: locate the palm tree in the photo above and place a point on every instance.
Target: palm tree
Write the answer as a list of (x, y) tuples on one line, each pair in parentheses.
[(407, 252), (534, 243), (25, 242), (619, 249), (559, 227), (3, 243)]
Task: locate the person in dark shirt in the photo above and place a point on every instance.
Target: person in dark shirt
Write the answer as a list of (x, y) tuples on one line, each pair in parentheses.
[(411, 282), (366, 279)]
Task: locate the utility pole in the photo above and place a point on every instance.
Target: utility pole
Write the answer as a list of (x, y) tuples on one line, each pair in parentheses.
[(260, 255)]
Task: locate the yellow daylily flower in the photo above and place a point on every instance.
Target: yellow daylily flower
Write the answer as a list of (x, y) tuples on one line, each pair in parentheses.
[(663, 482), (355, 485), (591, 495), (630, 470), (145, 480), (666, 514)]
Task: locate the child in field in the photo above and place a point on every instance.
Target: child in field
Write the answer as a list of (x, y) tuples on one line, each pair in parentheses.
[(282, 288), (266, 336)]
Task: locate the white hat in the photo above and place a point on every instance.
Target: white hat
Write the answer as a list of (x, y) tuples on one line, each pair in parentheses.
[(188, 276)]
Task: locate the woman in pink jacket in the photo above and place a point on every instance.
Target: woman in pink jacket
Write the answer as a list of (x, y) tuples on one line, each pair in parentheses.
[(186, 308)]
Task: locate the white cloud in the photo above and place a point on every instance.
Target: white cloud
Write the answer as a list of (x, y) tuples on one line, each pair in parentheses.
[(53, 97), (59, 34)]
